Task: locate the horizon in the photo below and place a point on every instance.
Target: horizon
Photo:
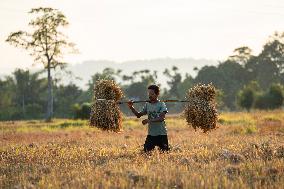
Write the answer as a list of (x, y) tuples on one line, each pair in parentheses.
[(8, 70)]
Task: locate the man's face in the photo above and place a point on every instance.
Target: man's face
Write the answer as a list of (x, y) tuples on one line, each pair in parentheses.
[(152, 95)]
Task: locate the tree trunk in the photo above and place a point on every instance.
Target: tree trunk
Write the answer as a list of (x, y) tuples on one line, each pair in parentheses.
[(49, 98)]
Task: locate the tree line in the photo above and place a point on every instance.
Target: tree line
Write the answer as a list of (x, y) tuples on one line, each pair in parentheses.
[(244, 81)]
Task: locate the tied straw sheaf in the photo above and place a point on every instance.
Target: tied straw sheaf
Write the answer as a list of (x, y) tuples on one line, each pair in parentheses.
[(200, 106)]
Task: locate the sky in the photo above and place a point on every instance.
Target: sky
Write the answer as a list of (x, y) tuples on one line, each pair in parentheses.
[(123, 30)]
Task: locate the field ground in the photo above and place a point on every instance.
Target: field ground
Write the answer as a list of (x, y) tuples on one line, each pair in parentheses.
[(246, 151)]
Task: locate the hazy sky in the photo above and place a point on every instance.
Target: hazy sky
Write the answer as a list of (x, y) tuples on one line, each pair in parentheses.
[(122, 30)]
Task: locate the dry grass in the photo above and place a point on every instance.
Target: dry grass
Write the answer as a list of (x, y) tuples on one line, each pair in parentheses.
[(105, 114), (201, 110), (70, 154)]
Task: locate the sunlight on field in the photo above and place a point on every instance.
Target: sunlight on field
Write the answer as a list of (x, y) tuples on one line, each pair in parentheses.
[(246, 151)]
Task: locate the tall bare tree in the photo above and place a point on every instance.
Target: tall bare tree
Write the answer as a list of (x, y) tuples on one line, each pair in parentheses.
[(46, 43)]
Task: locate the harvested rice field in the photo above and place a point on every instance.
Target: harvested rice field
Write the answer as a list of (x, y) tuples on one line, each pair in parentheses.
[(245, 151)]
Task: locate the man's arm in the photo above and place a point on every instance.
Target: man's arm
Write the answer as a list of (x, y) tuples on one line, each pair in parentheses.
[(158, 119), (137, 114)]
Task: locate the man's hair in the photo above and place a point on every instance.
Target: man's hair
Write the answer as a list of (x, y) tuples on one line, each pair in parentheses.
[(155, 88)]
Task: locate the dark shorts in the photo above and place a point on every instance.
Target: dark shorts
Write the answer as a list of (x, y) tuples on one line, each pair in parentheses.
[(161, 141)]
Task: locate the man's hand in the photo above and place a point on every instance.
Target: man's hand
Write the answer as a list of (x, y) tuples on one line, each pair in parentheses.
[(130, 103), (145, 121)]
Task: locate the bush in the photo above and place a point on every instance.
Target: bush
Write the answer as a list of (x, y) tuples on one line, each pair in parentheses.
[(246, 98), (272, 99), (85, 111), (82, 111), (33, 111), (276, 96)]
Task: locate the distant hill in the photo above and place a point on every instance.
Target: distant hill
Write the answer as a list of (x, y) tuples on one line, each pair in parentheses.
[(88, 68), (186, 65)]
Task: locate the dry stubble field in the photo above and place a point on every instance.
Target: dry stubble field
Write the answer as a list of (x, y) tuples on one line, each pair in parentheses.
[(246, 151)]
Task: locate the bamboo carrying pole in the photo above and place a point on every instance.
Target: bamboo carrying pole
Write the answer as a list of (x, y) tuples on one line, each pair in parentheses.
[(140, 101)]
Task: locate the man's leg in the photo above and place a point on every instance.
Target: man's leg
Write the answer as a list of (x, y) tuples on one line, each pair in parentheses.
[(163, 143), (149, 144)]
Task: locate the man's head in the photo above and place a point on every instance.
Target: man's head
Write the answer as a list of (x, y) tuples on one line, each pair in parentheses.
[(153, 92)]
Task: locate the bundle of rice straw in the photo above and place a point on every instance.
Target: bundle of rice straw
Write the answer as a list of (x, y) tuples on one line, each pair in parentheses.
[(105, 114), (201, 111)]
